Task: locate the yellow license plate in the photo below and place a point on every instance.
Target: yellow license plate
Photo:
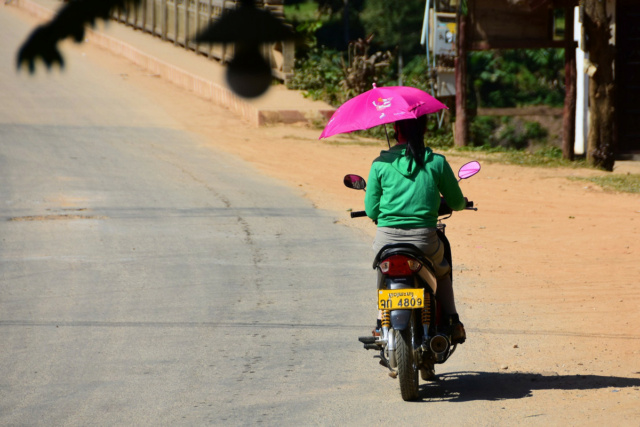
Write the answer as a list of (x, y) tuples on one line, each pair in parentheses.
[(400, 299)]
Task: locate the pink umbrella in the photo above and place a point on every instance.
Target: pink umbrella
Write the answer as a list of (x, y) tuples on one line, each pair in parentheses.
[(379, 106)]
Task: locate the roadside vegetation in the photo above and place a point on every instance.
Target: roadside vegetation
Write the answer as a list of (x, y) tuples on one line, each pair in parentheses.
[(348, 46), (346, 49), (629, 183)]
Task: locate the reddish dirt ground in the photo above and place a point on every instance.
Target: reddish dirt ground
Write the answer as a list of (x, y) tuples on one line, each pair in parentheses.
[(547, 267)]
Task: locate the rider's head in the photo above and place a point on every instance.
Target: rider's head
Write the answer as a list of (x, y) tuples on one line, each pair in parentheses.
[(411, 132), (409, 129)]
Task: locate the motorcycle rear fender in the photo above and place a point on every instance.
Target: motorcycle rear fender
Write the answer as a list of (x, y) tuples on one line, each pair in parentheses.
[(426, 273), (400, 318)]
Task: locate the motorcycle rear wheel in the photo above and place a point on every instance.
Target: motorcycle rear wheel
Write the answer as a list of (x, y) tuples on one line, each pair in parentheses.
[(407, 363)]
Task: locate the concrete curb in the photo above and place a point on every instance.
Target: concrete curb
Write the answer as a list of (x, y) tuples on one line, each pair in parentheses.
[(201, 87), (181, 78)]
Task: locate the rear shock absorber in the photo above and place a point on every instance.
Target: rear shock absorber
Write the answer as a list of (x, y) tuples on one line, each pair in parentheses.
[(385, 315), (386, 318)]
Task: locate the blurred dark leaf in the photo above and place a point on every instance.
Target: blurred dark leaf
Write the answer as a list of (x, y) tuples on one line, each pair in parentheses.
[(246, 24), (70, 21)]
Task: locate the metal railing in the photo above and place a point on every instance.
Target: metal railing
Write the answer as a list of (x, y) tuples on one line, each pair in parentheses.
[(180, 20)]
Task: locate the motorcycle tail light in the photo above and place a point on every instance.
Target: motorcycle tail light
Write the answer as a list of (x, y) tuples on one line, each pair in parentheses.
[(399, 265)]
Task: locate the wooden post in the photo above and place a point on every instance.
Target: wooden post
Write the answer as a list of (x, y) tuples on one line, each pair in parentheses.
[(461, 134), (153, 17), (602, 139), (187, 4), (569, 116), (197, 30), (207, 22), (175, 22), (144, 15), (164, 24)]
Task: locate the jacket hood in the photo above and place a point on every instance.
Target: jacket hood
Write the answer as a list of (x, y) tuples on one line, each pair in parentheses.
[(402, 161)]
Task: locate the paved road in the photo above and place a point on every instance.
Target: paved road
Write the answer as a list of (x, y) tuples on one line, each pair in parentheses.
[(146, 280)]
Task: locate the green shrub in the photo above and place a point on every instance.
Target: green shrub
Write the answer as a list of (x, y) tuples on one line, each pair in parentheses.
[(534, 131), (516, 77), (440, 139), (481, 130), (549, 151), (320, 75), (505, 132)]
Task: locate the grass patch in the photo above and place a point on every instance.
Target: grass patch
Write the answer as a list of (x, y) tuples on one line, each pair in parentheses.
[(629, 183), (342, 139), (550, 157), (357, 142)]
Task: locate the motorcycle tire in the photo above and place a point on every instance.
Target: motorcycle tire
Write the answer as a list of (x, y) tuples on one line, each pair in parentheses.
[(407, 363)]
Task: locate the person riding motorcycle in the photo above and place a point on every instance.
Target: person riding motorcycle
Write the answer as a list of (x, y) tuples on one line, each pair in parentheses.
[(403, 196)]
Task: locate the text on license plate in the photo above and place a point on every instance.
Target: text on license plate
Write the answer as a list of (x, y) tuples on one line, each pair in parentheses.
[(399, 299)]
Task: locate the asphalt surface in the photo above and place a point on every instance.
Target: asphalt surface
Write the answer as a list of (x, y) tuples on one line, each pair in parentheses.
[(146, 280)]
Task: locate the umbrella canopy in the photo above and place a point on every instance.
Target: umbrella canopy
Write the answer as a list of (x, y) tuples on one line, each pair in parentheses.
[(379, 106)]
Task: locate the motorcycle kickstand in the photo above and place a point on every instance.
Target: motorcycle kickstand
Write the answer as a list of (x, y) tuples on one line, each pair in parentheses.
[(384, 362)]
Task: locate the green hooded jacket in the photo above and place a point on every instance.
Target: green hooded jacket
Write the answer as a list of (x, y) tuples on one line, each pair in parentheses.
[(401, 194)]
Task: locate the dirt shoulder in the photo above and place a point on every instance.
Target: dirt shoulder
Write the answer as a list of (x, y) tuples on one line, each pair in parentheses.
[(547, 269)]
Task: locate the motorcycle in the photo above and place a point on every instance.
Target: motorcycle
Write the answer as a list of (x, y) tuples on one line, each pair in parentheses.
[(415, 335)]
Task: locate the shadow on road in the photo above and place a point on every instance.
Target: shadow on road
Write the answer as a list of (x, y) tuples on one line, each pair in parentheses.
[(470, 386)]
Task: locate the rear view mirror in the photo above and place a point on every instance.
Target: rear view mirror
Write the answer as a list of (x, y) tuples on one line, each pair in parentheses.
[(469, 169), (355, 181)]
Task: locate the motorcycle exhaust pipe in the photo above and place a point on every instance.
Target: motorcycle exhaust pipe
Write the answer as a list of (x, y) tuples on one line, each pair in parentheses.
[(439, 345)]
